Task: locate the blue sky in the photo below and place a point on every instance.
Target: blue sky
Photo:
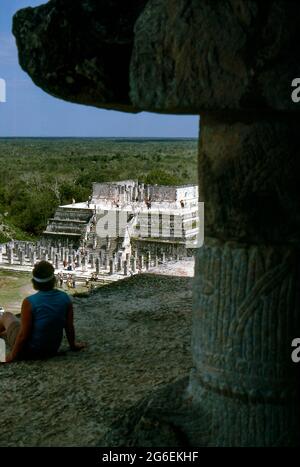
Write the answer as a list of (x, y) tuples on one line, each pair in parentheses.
[(29, 111)]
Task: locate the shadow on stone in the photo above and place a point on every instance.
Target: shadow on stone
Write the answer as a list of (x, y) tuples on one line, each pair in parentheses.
[(159, 420)]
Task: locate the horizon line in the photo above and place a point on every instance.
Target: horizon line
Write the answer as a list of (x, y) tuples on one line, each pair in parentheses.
[(100, 137)]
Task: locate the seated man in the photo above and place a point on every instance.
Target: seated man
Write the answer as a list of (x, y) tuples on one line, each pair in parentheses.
[(44, 316)]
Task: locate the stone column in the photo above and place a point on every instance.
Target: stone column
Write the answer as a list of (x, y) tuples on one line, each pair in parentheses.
[(39, 253), (21, 258), (106, 262), (246, 295), (97, 265), (141, 260), (111, 267), (134, 193), (33, 258), (156, 261), (125, 268), (56, 261), (163, 258), (119, 264), (92, 261), (7, 251), (133, 264), (141, 192), (11, 256)]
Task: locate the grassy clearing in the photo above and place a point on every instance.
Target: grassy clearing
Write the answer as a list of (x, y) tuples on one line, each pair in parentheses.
[(15, 286), (12, 288)]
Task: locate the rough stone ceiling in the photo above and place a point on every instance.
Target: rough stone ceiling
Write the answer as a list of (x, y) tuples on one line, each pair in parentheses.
[(170, 56)]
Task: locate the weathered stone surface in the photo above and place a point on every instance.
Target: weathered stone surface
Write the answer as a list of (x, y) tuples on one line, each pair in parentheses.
[(246, 298), (138, 335), (79, 50), (155, 421), (249, 178), (189, 56), (246, 312), (192, 56)]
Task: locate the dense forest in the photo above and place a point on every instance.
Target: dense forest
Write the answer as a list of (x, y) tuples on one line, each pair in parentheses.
[(37, 175)]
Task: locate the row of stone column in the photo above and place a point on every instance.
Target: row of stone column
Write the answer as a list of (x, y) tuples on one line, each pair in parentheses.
[(62, 257), (134, 263), (129, 194)]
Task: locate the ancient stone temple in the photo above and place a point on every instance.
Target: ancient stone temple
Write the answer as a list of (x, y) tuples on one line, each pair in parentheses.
[(232, 62), (131, 216)]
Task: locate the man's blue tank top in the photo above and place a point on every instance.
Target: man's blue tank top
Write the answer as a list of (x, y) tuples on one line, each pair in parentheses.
[(49, 313)]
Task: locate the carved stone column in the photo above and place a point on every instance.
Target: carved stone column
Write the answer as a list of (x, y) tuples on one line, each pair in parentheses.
[(246, 295)]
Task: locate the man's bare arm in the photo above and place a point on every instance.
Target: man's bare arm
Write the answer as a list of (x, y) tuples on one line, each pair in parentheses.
[(70, 330), (24, 333)]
